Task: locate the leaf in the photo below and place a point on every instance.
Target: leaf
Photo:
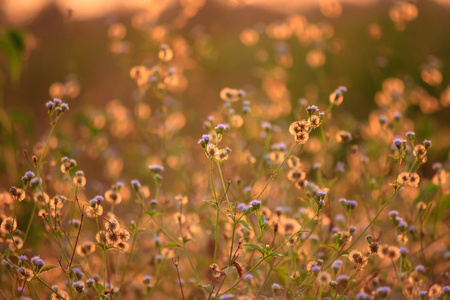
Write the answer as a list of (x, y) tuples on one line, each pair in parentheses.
[(275, 254), (256, 247), (47, 268), (245, 224), (261, 222), (334, 247), (172, 245)]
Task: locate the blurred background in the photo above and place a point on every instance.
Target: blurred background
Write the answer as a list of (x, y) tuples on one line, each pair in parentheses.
[(83, 51)]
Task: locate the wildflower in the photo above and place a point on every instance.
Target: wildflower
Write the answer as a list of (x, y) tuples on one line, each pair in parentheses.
[(393, 253), (337, 96), (398, 143), (275, 287), (311, 109), (211, 151), (383, 291), (79, 180), (336, 265), (78, 273), (298, 127), (363, 296), (427, 144), (248, 276), (315, 121), (342, 280), (403, 251), (294, 162), (301, 184), (383, 251), (255, 204), (78, 286), (156, 169), (435, 291), (420, 269), (357, 258), (324, 278), (403, 178), (165, 53), (113, 196), (101, 237), (296, 175), (310, 265), (373, 247), (146, 279), (135, 184), (26, 273), (344, 136), (420, 151), (112, 225), (85, 249), (112, 237), (446, 290), (411, 136), (17, 194), (222, 154), (90, 282), (8, 226), (123, 246), (231, 95)]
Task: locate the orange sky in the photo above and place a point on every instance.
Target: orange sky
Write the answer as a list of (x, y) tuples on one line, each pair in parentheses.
[(22, 11)]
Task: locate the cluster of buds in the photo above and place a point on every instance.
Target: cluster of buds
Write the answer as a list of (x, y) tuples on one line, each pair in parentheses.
[(67, 164), (29, 175), (156, 172), (301, 129), (320, 199), (337, 96), (56, 108), (17, 193), (349, 205), (79, 180)]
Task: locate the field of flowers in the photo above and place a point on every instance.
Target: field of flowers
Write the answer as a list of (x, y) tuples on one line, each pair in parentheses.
[(290, 157)]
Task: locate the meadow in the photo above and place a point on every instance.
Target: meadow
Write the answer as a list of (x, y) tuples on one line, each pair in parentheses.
[(215, 150)]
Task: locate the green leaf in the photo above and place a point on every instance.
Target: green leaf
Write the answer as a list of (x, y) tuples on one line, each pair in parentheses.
[(47, 268), (261, 222), (276, 254), (245, 224), (334, 247), (256, 247), (172, 245)]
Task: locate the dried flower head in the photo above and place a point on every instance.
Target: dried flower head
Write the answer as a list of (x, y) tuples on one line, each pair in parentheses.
[(8, 226)]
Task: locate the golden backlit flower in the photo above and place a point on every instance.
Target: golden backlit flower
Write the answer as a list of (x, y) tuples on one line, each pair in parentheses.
[(299, 127), (323, 278), (419, 151), (8, 225), (113, 196), (296, 175), (85, 249)]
